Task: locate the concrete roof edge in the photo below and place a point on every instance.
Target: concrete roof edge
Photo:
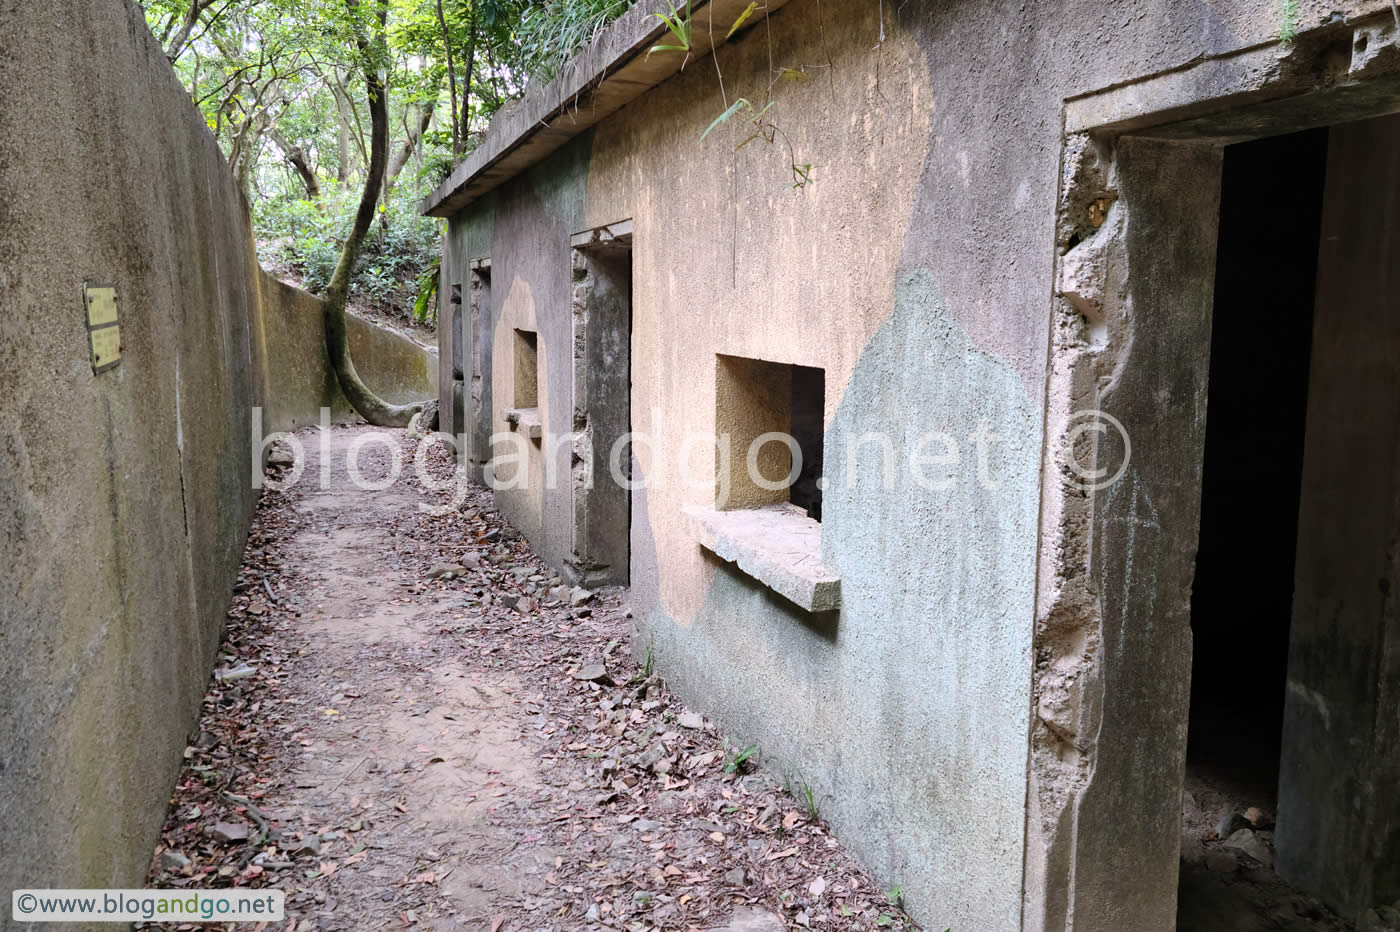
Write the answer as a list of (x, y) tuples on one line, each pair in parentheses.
[(570, 103)]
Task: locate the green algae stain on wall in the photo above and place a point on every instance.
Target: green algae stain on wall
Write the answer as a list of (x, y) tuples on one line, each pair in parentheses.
[(909, 712)]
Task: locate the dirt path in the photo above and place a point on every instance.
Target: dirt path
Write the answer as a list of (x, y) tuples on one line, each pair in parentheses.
[(414, 726), (410, 740)]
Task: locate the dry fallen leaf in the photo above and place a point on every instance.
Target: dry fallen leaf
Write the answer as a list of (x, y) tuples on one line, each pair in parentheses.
[(593, 734)]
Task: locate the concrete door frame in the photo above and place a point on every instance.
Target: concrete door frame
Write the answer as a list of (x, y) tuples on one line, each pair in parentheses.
[(1125, 430)]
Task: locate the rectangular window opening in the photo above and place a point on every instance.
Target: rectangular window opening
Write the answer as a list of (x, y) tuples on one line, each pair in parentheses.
[(527, 373), (754, 398)]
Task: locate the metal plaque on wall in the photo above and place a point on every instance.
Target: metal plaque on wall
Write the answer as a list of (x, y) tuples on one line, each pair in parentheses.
[(104, 334)]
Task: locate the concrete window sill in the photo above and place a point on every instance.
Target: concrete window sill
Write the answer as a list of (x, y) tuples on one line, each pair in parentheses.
[(525, 420), (779, 546)]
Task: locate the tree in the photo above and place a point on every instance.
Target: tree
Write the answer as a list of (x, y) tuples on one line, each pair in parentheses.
[(370, 39), (296, 157), (413, 138), (278, 82)]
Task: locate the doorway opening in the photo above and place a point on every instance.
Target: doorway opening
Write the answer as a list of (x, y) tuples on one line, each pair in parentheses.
[(601, 457), (476, 405), (1219, 616), (1242, 593), (1288, 724)]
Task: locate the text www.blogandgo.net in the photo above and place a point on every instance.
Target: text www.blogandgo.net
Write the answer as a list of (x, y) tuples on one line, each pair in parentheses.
[(149, 905)]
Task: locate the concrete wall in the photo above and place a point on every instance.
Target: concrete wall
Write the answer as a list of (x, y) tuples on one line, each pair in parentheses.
[(125, 496), (1339, 813), (847, 705), (530, 288), (948, 717), (298, 380)]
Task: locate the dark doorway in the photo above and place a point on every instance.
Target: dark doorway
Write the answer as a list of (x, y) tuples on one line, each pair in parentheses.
[(602, 363), (1242, 595)]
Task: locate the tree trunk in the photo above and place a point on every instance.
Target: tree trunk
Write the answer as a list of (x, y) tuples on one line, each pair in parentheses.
[(451, 80), (177, 45), (297, 157), (410, 145), (350, 127), (369, 405), (466, 120), (342, 167), (243, 150)]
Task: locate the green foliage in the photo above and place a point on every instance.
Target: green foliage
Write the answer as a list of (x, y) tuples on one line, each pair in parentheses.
[(1288, 13), (280, 84), (810, 800), (734, 108), (425, 307), (679, 27), (765, 129), (743, 17), (741, 758), (398, 263), (549, 34)]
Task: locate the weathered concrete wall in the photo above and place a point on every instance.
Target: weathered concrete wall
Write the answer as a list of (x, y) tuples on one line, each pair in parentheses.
[(1136, 231), (918, 270), (397, 367), (530, 289), (468, 239), (1113, 636), (125, 496), (943, 818), (454, 297), (298, 380), (1339, 811)]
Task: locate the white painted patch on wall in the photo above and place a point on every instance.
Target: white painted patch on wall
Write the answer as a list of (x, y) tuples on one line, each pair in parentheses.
[(1023, 194), (1315, 699), (179, 422)]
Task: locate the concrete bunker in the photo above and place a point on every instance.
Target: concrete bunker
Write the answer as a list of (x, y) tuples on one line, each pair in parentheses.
[(1219, 619)]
